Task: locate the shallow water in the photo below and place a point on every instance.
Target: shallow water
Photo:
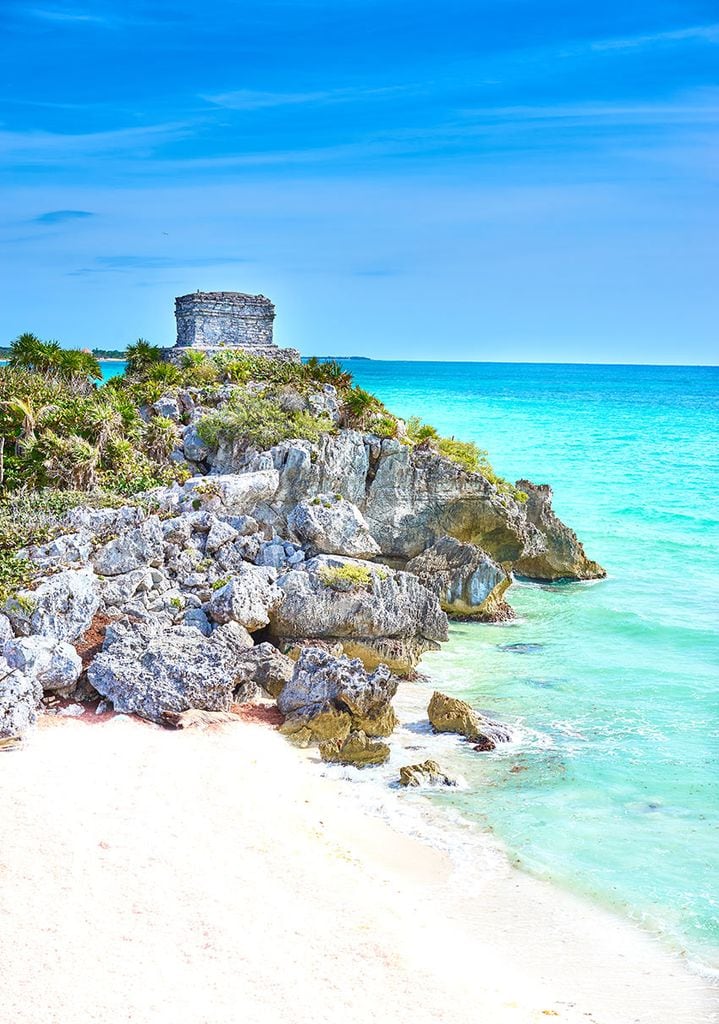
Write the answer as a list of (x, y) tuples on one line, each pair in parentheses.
[(613, 787)]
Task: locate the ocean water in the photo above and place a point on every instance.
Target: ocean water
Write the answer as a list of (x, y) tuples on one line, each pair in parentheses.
[(612, 787)]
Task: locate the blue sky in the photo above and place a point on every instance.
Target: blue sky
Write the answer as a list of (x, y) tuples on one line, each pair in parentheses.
[(507, 180)]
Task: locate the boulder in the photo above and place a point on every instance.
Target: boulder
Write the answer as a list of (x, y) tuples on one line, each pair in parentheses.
[(333, 526), (248, 598), (168, 406), (238, 494), (193, 447), (327, 696), (325, 403), (357, 749), (20, 697), (6, 632), (449, 714), (219, 533), (69, 550), (377, 614), (103, 523), (146, 670), (62, 606), (137, 548), (428, 773), (265, 666), (466, 580), (55, 665)]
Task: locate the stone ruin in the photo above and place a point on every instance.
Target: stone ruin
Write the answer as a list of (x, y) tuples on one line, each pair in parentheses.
[(214, 322)]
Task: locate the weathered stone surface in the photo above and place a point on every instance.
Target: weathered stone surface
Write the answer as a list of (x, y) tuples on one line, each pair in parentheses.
[(249, 598), (146, 671), (561, 555), (135, 549), (220, 533), (233, 638), (55, 664), (327, 696), (235, 493), (6, 631), (393, 606), (449, 714), (168, 406), (103, 523), (466, 580), (358, 750), (265, 666), (332, 526), (428, 773), (116, 591), (325, 403), (193, 446), (20, 697), (69, 550), (62, 606)]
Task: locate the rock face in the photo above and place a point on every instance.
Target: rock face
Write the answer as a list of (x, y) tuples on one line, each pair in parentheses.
[(134, 549), (390, 618), (466, 580), (327, 697), (237, 494), (62, 606), (448, 714), (428, 773), (563, 555), (20, 697), (330, 525), (248, 598), (411, 497), (357, 749), (146, 671)]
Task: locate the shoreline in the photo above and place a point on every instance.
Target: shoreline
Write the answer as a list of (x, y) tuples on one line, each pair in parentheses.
[(217, 870)]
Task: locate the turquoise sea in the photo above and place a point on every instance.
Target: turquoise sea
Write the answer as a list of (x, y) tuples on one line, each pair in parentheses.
[(613, 789)]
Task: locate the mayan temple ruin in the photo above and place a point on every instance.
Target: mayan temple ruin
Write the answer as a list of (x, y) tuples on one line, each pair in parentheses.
[(213, 322)]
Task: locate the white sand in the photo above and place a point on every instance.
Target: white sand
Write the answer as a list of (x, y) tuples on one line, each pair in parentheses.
[(149, 876)]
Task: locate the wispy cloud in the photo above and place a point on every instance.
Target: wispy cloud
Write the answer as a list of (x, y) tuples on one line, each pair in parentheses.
[(59, 14), (42, 147), (701, 33), (250, 99), (110, 264), (61, 216)]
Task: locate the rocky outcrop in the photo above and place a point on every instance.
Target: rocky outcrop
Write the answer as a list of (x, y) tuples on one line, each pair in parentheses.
[(562, 555), (428, 773), (146, 671), (330, 525), (379, 615), (237, 494), (249, 598), (357, 749), (137, 548), (412, 496), (468, 583), (55, 664), (449, 714), (264, 666), (327, 697)]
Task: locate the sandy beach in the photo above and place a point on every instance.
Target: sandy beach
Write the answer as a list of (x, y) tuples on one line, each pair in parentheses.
[(216, 876)]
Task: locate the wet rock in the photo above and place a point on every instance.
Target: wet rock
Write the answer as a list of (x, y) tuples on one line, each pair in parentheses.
[(357, 749), (466, 580), (428, 773), (449, 714), (61, 606), (332, 526)]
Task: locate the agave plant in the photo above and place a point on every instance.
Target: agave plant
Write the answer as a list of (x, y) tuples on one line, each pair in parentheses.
[(359, 404), (141, 356), (70, 462), (30, 418)]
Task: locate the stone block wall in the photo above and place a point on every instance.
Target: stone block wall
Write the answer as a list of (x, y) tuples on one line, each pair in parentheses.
[(214, 319)]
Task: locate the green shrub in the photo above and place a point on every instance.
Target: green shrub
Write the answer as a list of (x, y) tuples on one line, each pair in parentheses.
[(384, 426), (161, 437), (349, 577), (15, 574), (253, 421)]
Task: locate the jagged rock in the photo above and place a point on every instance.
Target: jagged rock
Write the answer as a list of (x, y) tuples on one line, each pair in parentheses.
[(147, 671), (332, 526), (196, 618), (69, 550), (249, 598), (562, 556), (20, 697), (358, 750), (272, 553), (233, 638), (428, 773), (327, 696), (177, 529), (103, 523), (466, 580), (62, 606), (220, 533), (168, 406), (391, 614), (135, 549), (193, 446), (324, 403), (265, 666), (55, 664), (449, 714), (6, 632), (116, 591), (235, 493)]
